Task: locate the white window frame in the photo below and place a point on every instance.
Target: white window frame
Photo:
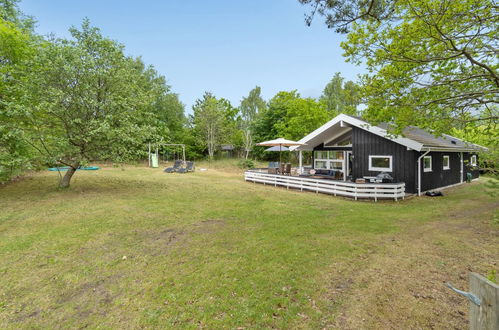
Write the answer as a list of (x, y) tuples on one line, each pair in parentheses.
[(448, 162), (330, 161), (431, 164), (380, 169), (473, 161)]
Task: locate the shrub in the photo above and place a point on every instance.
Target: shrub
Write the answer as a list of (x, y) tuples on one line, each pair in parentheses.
[(246, 163)]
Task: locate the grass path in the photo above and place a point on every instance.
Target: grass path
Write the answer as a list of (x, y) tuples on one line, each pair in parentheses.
[(139, 248)]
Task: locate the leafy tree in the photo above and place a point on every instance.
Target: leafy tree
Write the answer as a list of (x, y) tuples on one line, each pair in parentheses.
[(432, 63), (251, 106), (208, 120), (9, 11), (351, 98), (231, 133), (290, 116), (302, 115), (17, 45), (83, 99), (341, 97), (487, 136)]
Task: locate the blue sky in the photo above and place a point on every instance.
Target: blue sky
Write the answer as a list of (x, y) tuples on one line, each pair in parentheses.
[(223, 46)]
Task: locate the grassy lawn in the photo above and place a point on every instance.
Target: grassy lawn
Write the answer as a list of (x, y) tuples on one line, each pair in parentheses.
[(140, 248)]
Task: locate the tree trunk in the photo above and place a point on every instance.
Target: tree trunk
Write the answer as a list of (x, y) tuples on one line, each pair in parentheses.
[(247, 142), (66, 179)]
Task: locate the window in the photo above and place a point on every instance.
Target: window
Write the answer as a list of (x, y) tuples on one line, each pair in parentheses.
[(380, 163), (330, 160), (446, 162), (427, 163), (473, 160), (320, 164)]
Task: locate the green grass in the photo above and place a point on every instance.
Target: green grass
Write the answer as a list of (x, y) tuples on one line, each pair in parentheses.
[(140, 248)]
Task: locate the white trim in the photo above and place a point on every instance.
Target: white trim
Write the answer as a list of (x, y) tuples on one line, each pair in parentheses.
[(360, 124), (431, 164), (409, 143), (300, 164), (380, 169), (337, 136), (419, 171), (473, 161), (329, 161), (461, 160), (449, 149), (448, 162), (469, 143), (333, 187)]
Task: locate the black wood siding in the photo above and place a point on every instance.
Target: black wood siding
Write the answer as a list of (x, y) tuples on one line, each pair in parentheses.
[(475, 172), (404, 167), (404, 161), (438, 177)]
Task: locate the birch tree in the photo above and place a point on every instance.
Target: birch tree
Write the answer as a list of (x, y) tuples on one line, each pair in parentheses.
[(208, 122), (251, 106)]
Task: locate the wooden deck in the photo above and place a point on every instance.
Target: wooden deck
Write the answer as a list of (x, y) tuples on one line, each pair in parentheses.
[(327, 186)]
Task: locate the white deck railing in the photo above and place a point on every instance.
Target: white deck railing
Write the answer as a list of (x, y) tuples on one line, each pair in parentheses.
[(340, 188)]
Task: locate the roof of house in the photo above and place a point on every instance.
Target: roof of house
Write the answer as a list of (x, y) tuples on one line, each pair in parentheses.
[(412, 137)]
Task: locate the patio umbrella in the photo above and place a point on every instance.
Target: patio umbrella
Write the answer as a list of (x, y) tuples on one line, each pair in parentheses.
[(276, 148), (280, 142)]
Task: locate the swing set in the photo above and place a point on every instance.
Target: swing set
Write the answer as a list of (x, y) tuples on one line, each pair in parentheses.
[(153, 153)]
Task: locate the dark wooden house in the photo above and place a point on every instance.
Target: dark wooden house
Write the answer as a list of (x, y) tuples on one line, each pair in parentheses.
[(348, 148)]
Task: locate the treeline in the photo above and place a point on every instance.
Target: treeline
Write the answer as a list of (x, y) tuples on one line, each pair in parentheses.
[(66, 102), (215, 121)]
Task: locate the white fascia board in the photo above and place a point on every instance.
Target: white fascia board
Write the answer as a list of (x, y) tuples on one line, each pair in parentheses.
[(360, 124), (383, 133), (450, 149), (336, 136), (473, 144), (315, 133)]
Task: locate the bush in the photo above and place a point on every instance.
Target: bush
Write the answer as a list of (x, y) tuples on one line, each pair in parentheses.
[(246, 163)]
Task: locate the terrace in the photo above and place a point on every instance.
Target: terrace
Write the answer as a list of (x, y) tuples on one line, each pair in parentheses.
[(326, 185)]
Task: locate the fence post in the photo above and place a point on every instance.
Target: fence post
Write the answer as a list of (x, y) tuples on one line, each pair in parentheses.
[(485, 316)]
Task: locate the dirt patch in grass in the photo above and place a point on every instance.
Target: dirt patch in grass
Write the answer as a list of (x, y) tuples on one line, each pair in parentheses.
[(208, 226), (162, 241), (98, 290)]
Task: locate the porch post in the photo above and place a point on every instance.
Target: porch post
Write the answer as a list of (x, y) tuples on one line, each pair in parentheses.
[(300, 165), (345, 165), (462, 172)]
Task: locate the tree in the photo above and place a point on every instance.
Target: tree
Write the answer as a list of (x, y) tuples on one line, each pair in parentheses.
[(9, 12), (251, 106), (17, 45), (302, 115), (208, 120), (432, 63), (341, 97), (83, 99), (290, 116)]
